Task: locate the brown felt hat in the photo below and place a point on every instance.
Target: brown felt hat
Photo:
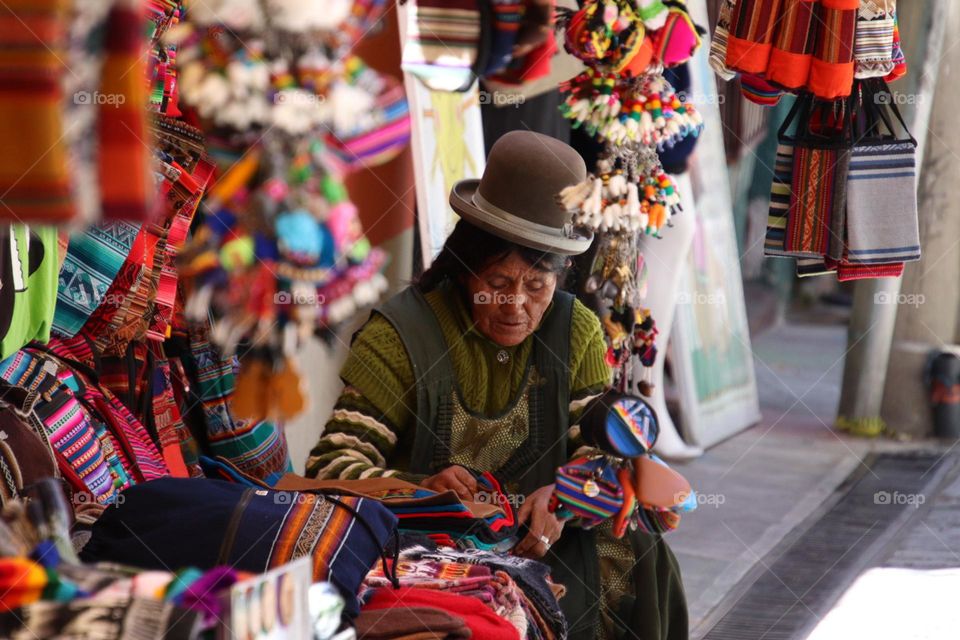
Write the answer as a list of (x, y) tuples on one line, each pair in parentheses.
[(517, 198)]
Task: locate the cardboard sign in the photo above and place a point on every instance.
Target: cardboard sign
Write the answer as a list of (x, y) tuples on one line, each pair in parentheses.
[(271, 606)]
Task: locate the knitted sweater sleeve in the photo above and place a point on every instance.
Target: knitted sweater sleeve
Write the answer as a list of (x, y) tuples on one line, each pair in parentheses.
[(589, 373), (374, 411)]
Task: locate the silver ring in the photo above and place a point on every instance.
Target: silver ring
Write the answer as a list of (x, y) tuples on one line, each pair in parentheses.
[(546, 541)]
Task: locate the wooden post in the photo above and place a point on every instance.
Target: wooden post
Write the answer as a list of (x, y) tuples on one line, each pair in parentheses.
[(923, 25)]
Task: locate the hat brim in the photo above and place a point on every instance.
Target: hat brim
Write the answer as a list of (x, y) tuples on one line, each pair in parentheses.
[(513, 228)]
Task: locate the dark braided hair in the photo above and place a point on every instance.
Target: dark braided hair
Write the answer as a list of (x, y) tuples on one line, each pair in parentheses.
[(469, 249)]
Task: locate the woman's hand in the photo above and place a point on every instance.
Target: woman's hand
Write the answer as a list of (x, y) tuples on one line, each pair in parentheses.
[(456, 479), (545, 527)]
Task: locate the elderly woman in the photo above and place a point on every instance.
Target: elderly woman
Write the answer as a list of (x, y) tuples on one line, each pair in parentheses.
[(484, 365)]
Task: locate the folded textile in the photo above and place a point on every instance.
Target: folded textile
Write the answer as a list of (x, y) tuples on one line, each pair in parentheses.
[(399, 622), (483, 622), (530, 575), (250, 529), (481, 524)]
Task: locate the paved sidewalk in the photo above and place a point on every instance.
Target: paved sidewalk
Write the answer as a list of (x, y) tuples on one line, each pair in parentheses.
[(760, 484)]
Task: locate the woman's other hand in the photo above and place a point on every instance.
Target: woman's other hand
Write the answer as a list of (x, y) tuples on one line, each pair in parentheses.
[(456, 479), (545, 527)]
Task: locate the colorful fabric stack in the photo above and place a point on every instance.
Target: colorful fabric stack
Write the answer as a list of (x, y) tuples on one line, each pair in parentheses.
[(532, 578), (480, 620)]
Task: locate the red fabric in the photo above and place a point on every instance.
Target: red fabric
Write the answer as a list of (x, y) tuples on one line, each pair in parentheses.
[(533, 66), (847, 272), (483, 622)]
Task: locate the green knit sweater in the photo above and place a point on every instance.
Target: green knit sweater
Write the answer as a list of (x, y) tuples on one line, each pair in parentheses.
[(371, 430)]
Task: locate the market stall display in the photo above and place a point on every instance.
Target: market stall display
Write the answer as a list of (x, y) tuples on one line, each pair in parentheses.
[(625, 101), (146, 348), (843, 199)]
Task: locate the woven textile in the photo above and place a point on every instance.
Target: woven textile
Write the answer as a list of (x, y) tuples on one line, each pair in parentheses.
[(124, 141), (442, 41), (34, 176), (882, 204), (718, 44), (815, 179), (250, 529), (873, 47), (94, 257), (256, 447), (775, 240), (79, 441), (792, 51), (831, 71), (797, 44)]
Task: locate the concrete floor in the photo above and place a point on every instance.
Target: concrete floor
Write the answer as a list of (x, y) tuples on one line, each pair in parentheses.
[(761, 483)]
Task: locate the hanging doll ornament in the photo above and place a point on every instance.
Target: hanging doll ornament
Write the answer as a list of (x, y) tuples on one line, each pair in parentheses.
[(615, 109), (645, 348), (629, 194)]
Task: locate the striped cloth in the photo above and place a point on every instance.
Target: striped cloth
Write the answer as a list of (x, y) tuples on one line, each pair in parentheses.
[(718, 45), (759, 91), (381, 143), (34, 177), (793, 45), (505, 27), (882, 204), (753, 25), (442, 41), (831, 72), (775, 240), (256, 447), (797, 44), (873, 47)]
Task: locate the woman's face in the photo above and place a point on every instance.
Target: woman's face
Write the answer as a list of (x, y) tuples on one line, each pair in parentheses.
[(508, 299)]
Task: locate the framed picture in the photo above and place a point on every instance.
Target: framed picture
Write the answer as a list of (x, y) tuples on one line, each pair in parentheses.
[(710, 347), (447, 146)]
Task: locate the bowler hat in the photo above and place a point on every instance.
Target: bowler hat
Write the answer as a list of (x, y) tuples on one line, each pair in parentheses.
[(517, 198)]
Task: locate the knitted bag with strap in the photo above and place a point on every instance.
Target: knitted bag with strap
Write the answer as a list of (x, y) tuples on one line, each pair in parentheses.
[(176, 522)]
